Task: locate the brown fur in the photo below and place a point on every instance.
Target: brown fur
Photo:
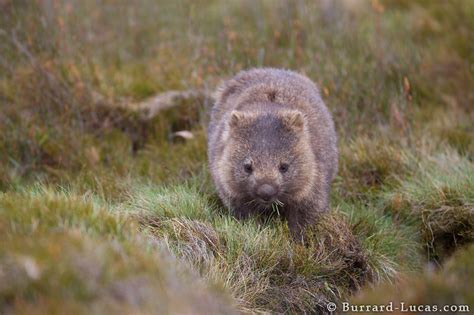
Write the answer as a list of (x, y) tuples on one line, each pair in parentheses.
[(270, 127)]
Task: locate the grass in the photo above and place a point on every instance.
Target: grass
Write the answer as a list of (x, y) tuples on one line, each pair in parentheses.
[(101, 211), (441, 201), (259, 263), (61, 252), (448, 287)]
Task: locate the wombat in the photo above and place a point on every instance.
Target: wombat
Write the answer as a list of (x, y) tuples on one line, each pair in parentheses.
[(272, 144)]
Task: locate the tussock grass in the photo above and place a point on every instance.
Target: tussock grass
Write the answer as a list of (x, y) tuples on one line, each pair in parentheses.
[(369, 166), (440, 199), (392, 246), (257, 261)]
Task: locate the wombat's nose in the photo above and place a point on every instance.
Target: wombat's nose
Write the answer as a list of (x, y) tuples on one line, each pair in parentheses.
[(266, 192)]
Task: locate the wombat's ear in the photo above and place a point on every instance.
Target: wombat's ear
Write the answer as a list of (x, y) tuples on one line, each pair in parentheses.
[(293, 120), (238, 118)]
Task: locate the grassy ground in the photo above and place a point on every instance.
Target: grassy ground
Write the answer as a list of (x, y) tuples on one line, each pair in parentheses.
[(101, 212)]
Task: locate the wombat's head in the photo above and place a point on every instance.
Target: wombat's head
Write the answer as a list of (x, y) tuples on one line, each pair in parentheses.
[(267, 156)]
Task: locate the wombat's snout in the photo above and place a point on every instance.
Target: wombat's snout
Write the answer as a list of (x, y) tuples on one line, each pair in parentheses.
[(266, 192)]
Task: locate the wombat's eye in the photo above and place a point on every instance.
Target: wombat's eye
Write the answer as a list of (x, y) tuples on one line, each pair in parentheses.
[(284, 167), (248, 168)]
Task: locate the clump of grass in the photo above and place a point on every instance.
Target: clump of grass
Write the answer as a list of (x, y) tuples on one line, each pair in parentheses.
[(439, 199), (257, 261), (43, 210), (184, 200), (461, 139), (455, 128), (369, 166), (62, 253), (391, 246), (449, 286)]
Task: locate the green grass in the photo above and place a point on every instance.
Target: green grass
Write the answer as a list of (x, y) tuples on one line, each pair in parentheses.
[(101, 212), (440, 200), (62, 252), (259, 263)]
